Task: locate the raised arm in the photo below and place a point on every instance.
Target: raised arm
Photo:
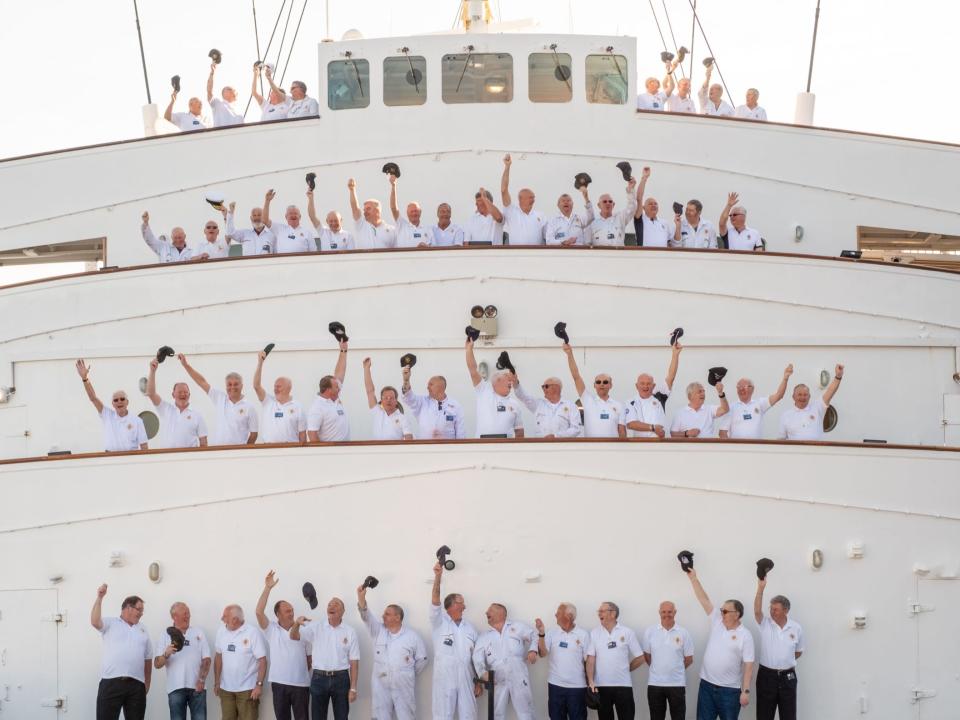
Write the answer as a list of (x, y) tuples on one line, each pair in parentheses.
[(168, 113), (340, 371), (435, 590), (668, 82), (522, 396), (253, 90), (229, 221), (297, 624), (148, 237), (490, 207), (700, 593), (368, 384), (782, 387), (541, 638), (268, 74), (152, 382), (758, 601), (630, 210), (268, 584), (96, 613), (834, 385), (674, 364), (213, 69), (312, 210), (732, 199), (574, 370), (704, 90), (641, 189), (394, 203), (505, 181), (354, 204), (83, 370), (270, 195), (724, 405), (475, 377), (194, 375), (258, 377)]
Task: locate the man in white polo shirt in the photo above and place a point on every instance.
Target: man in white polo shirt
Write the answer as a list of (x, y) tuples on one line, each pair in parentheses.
[(192, 120), (711, 98), (187, 666), (454, 640), (567, 227), (121, 430), (653, 98), (555, 417), (781, 645), (649, 229), (727, 661), (692, 231), (370, 231), (602, 415), (332, 235), (183, 427), (568, 647), (498, 414), (608, 229), (336, 660), (438, 415), (668, 650), (257, 240), (696, 419), (301, 104), (410, 232), (173, 250), (291, 236), (239, 666), (507, 648), (736, 235), (284, 420), (224, 111), (127, 653), (745, 418), (289, 657), (645, 415), (524, 225), (446, 233), (751, 110), (615, 652), (485, 226), (237, 418), (327, 420), (681, 101), (804, 421)]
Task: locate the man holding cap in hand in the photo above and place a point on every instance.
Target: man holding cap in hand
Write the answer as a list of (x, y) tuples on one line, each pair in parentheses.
[(336, 660), (602, 415), (646, 413), (804, 421), (289, 656), (615, 652), (438, 415), (327, 420), (498, 415), (187, 660), (696, 419), (781, 644), (454, 639)]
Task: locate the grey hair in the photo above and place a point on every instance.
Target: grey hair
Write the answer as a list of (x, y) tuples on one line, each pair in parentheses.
[(292, 207), (754, 91), (372, 200), (500, 374), (738, 208), (234, 376), (613, 606), (693, 386), (570, 609), (176, 606), (234, 608), (781, 600), (486, 194)]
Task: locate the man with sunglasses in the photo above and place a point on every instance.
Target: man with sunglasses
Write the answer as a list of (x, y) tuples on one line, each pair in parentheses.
[(646, 414), (609, 228), (555, 417), (602, 415), (127, 660), (121, 430), (727, 661), (212, 247), (737, 236)]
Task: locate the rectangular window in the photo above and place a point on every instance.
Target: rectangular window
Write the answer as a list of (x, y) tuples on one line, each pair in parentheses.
[(550, 77), (477, 78), (348, 84), (606, 79), (405, 80)]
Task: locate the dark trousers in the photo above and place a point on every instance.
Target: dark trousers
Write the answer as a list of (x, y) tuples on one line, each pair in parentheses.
[(326, 689), (660, 696), (184, 698), (116, 694), (715, 701), (619, 698), (290, 700), (566, 703), (776, 690)]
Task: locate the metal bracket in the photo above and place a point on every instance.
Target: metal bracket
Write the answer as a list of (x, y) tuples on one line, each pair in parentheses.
[(915, 609), (60, 703), (57, 617), (916, 695)]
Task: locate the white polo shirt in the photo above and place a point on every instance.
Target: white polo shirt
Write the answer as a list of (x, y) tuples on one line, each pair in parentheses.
[(667, 650), (282, 422), (183, 667), (125, 647), (254, 243), (560, 419), (389, 427), (568, 652), (560, 228), (726, 652), (747, 239), (332, 648), (436, 418), (482, 229), (655, 232), (757, 113), (368, 237), (613, 651), (745, 420), (188, 121), (724, 109), (240, 650), (181, 429), (805, 424), (610, 231), (647, 410), (648, 101), (601, 417), (292, 239), (274, 111), (448, 236), (329, 419), (496, 415), (288, 657), (779, 645), (689, 419), (702, 236), (330, 240), (675, 103), (166, 252), (225, 113), (121, 433), (523, 228), (235, 420), (217, 249), (410, 235), (304, 107)]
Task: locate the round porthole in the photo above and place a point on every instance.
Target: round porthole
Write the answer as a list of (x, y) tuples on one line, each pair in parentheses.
[(830, 419), (151, 423), (414, 77), (562, 73)]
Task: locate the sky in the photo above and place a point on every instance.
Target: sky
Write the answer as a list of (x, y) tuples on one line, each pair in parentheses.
[(879, 64)]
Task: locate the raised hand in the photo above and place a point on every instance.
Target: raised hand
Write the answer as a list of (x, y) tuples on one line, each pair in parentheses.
[(645, 173), (732, 199), (271, 194), (567, 349), (352, 184), (631, 184), (438, 569), (82, 369), (838, 372), (154, 364), (719, 388), (270, 580), (145, 217), (182, 358), (101, 591), (788, 371), (366, 363), (539, 625), (302, 620), (507, 160), (232, 206)]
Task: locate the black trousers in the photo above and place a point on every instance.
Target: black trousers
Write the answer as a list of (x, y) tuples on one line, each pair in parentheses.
[(619, 698), (660, 696), (327, 689), (290, 699), (776, 690), (125, 693)]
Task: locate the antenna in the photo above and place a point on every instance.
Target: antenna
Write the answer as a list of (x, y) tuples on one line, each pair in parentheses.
[(813, 46), (143, 59)]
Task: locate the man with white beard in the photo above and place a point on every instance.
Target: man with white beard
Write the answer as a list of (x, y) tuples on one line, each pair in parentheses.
[(258, 240)]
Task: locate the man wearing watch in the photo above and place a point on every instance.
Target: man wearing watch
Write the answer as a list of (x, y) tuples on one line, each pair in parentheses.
[(239, 666), (727, 661), (696, 419), (187, 667)]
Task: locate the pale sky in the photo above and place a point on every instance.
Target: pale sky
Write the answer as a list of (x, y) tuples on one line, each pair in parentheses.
[(75, 66)]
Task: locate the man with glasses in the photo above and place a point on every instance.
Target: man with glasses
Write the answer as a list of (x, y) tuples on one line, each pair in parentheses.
[(455, 689), (183, 427), (781, 645), (668, 650), (498, 415), (650, 230), (173, 250), (737, 236), (746, 414), (646, 414), (524, 225), (127, 657), (609, 228), (555, 417), (213, 247), (727, 661), (300, 104), (691, 230), (237, 418), (614, 653), (602, 415), (568, 228), (121, 430)]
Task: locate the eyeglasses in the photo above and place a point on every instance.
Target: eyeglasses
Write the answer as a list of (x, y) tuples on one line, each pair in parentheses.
[(606, 202), (211, 227), (601, 382), (119, 399), (546, 385), (736, 214), (724, 611)]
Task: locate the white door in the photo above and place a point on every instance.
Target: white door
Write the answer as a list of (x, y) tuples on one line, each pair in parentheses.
[(14, 433), (938, 651), (28, 654)]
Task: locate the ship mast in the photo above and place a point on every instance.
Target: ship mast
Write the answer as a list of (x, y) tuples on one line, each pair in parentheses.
[(475, 15)]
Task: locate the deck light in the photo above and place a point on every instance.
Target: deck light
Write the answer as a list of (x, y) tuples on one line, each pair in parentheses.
[(490, 311), (476, 311), (495, 85), (153, 572)]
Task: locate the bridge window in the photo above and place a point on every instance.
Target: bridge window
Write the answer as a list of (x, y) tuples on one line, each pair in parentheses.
[(550, 77), (348, 84), (477, 78), (606, 79), (405, 80)]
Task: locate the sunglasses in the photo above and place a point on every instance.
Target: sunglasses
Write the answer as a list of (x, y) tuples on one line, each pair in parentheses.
[(211, 227), (736, 214), (546, 385), (601, 382), (119, 399), (724, 612)]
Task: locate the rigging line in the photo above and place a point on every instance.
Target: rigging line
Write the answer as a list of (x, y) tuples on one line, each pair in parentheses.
[(657, 21), (256, 36), (413, 73), (283, 37), (559, 68), (676, 48), (267, 51), (294, 41), (465, 63), (710, 50), (143, 59), (693, 35)]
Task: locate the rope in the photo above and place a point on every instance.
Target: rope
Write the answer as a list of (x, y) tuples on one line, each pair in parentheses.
[(284, 36), (710, 50), (256, 36), (657, 21), (267, 51), (294, 41), (676, 48)]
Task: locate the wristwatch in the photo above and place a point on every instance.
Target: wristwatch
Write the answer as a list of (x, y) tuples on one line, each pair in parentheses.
[(746, 692), (259, 683)]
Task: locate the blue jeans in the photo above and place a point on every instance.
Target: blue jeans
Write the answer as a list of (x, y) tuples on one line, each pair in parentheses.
[(566, 703), (325, 689), (714, 701), (180, 700)]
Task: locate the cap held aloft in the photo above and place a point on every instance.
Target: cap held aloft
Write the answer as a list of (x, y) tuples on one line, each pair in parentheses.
[(408, 360), (310, 595), (686, 560), (338, 331), (560, 330)]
